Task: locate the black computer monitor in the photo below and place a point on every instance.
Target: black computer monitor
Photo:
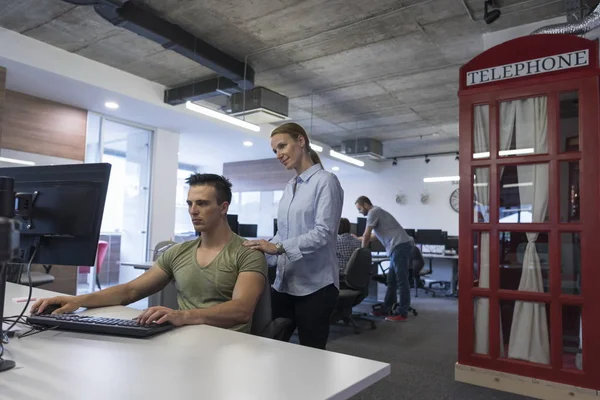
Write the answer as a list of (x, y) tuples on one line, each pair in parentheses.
[(376, 246), (361, 225), (452, 243), (275, 227), (410, 232), (248, 231), (232, 220), (430, 236), (59, 209), (353, 228)]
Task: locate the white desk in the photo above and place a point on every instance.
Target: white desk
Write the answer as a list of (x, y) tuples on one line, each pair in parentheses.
[(187, 363)]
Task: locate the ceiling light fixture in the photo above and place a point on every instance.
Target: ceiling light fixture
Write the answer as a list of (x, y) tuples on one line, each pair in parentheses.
[(220, 116), (15, 161), (441, 179), (335, 168), (427, 159), (490, 16), (316, 148), (395, 161), (111, 104), (248, 143), (346, 158)]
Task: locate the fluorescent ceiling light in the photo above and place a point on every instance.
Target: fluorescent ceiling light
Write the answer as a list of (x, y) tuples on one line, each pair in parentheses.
[(480, 184), (111, 104), (316, 148), (220, 116), (15, 161), (442, 179), (515, 152), (512, 185), (344, 157), (335, 168), (248, 143)]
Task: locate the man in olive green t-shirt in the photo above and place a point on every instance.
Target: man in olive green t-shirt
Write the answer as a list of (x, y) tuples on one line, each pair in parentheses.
[(218, 280)]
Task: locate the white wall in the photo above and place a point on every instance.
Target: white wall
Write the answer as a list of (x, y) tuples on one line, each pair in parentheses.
[(407, 177), (163, 186)]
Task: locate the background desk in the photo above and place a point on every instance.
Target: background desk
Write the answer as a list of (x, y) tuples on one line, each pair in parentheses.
[(192, 362), (454, 258), (166, 297)]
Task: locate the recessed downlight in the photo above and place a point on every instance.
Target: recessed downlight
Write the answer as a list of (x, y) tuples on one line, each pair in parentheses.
[(248, 143), (335, 168), (111, 104)]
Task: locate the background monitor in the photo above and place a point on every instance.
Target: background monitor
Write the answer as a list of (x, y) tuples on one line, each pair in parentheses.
[(361, 225), (452, 243), (275, 227), (232, 220), (410, 232), (430, 236), (376, 246), (353, 228), (248, 231)]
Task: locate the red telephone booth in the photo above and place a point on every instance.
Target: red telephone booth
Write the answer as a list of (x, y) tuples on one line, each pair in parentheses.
[(529, 222)]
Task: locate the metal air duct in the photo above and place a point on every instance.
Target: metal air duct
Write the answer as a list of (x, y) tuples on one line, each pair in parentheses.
[(589, 23)]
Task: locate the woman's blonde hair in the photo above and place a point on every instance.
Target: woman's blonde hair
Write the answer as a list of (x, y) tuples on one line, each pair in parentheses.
[(295, 131)]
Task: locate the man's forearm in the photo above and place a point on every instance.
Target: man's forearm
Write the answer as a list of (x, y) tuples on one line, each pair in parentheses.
[(113, 296), (225, 315)]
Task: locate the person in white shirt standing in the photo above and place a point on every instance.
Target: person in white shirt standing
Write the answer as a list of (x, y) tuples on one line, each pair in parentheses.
[(398, 245)]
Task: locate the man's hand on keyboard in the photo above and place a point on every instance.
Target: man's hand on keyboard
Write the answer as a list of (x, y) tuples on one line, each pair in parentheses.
[(66, 304), (161, 315)]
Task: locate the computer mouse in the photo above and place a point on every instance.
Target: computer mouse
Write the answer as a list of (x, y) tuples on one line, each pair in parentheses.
[(49, 309)]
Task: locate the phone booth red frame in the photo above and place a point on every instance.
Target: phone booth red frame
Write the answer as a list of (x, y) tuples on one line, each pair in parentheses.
[(512, 101)]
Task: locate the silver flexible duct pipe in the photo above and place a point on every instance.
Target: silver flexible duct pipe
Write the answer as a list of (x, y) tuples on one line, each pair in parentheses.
[(582, 27)]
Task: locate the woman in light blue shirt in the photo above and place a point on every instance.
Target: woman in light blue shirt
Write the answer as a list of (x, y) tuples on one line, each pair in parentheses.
[(306, 287)]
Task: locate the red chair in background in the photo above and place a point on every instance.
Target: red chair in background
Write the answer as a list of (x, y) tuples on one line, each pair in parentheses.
[(100, 254)]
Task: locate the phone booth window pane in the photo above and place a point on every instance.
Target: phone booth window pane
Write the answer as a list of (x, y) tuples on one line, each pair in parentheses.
[(525, 331), (481, 131), (524, 194), (523, 127), (569, 121), (524, 261), (569, 191), (481, 195)]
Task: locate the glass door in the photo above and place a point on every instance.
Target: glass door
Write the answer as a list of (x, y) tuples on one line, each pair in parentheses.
[(125, 223), (527, 232)]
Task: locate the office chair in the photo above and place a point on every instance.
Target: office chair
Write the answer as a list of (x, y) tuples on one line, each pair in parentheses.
[(354, 289), (263, 323), (37, 278), (100, 255), (161, 247)]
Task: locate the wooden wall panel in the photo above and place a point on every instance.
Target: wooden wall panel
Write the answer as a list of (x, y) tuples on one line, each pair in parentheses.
[(257, 175), (39, 126)]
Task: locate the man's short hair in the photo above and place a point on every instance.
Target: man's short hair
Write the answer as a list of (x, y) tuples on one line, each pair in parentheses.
[(362, 200), (344, 226), (220, 183)]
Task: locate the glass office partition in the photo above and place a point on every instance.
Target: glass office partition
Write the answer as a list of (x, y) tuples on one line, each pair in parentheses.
[(125, 223)]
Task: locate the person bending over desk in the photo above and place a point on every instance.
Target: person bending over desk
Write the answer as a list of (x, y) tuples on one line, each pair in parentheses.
[(398, 245), (218, 280)]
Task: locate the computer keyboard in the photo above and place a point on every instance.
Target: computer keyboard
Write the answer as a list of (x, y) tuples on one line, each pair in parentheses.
[(90, 324)]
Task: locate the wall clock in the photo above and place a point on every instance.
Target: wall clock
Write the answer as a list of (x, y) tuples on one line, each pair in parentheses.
[(454, 200)]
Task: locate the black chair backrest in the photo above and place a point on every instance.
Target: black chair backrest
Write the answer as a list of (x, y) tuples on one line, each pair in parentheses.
[(262, 316), (358, 269), (417, 260)]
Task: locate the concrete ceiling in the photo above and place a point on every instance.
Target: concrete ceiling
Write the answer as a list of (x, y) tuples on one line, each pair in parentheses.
[(384, 69)]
